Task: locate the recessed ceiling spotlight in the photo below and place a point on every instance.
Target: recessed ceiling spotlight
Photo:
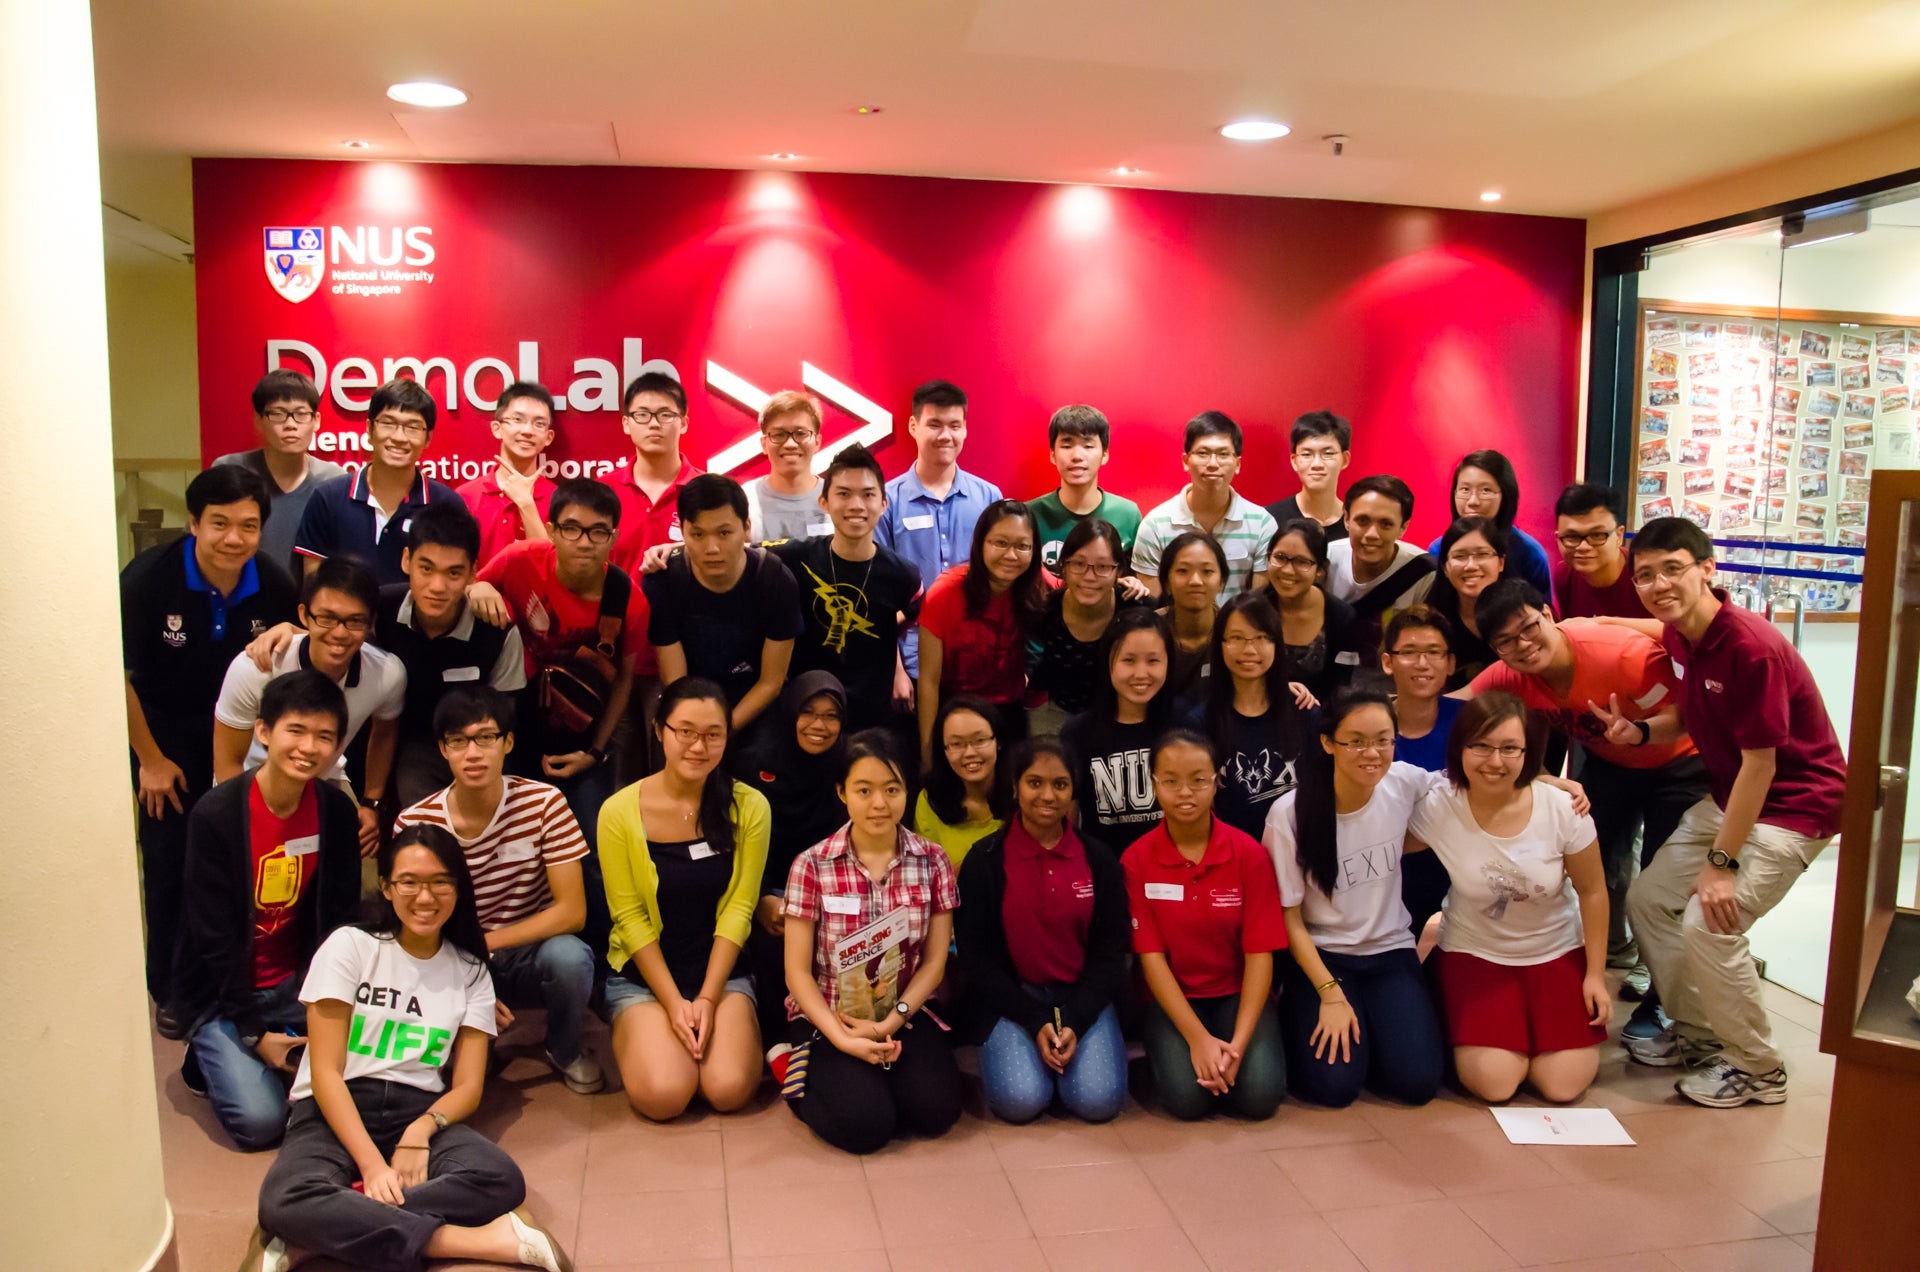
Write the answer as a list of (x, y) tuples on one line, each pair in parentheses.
[(1124, 171), (868, 110), (1489, 196), (1254, 130), (784, 156), (426, 93), (354, 145)]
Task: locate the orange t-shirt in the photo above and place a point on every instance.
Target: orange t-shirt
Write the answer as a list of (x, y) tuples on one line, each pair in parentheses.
[(1607, 661)]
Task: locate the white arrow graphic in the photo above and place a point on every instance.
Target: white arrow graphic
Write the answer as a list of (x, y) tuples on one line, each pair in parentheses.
[(877, 423)]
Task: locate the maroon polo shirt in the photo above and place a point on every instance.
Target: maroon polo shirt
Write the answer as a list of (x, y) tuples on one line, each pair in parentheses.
[(1204, 916), (1047, 907), (1574, 597), (645, 522), (1744, 687)]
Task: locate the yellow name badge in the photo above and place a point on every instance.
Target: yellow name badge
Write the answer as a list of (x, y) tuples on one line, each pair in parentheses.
[(279, 881)]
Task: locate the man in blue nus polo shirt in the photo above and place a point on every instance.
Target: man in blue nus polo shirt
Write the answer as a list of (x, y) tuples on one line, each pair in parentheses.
[(932, 507), (365, 515), (186, 609)]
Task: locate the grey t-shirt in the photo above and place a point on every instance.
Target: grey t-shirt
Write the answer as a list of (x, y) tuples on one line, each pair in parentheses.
[(283, 520), (778, 516)]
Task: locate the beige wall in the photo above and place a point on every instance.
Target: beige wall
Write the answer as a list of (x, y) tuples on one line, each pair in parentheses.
[(81, 1188)]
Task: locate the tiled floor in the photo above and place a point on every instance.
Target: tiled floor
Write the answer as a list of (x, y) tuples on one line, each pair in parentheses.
[(1375, 1186)]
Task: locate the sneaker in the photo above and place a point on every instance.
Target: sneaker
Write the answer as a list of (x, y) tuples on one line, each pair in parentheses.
[(1719, 1085), (1647, 1021), (196, 1081), (1668, 1049), (266, 1254), (538, 1247), (1635, 983), (582, 1076)]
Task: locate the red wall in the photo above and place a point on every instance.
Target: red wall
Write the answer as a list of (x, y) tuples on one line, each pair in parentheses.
[(1434, 331)]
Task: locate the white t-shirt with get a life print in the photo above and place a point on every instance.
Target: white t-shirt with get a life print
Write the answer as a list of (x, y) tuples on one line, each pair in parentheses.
[(406, 1010)]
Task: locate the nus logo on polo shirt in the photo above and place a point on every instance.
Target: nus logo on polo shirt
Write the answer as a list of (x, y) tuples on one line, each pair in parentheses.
[(172, 632)]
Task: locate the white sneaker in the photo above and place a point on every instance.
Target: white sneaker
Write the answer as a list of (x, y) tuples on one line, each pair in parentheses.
[(538, 1248), (266, 1254), (1720, 1085), (583, 1076)]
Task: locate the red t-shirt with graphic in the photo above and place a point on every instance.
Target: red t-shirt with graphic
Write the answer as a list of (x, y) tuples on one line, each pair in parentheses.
[(284, 852), (1607, 662), (553, 621)]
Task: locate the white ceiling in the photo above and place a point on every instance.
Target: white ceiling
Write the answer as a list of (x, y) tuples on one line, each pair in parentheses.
[(1569, 108)]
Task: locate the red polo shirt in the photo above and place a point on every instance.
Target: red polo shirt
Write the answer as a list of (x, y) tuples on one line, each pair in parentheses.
[(1048, 906), (500, 524), (1744, 687), (643, 521), (1574, 597), (1205, 916)]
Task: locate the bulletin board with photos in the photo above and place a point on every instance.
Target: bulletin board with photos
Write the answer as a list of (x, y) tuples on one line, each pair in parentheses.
[(1767, 425)]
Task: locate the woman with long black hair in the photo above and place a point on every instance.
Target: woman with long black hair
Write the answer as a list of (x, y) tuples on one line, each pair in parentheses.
[(1354, 1008), (1318, 640), (392, 1007), (963, 800), (1110, 741), (1067, 644), (1250, 713), (1472, 558), (1485, 485)]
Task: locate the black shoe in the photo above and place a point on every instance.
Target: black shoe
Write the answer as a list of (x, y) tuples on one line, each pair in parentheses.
[(170, 1026), (190, 1074)]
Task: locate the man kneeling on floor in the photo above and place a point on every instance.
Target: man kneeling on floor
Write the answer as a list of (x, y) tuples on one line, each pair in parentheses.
[(524, 849), (273, 866)]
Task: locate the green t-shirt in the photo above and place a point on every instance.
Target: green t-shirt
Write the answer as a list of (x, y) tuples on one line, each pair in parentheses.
[(1056, 522)]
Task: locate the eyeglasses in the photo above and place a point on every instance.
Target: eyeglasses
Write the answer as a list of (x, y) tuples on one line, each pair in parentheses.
[(1360, 746), (571, 531), (1425, 653), (667, 418), (1179, 787), (322, 621), (1592, 538), (961, 746), (387, 426), (1487, 750), (1246, 642), (1089, 569), (690, 736), (1532, 634), (1472, 556), (1324, 454), (280, 415), (823, 717), (486, 741), (781, 436), (525, 421), (1646, 580), (1022, 546), (408, 886), (1212, 455), (1293, 564)]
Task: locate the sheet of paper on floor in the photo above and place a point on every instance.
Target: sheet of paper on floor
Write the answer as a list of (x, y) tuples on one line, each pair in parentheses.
[(1562, 1126)]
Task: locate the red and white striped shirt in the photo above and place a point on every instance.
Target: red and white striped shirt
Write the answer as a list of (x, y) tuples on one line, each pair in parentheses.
[(531, 830)]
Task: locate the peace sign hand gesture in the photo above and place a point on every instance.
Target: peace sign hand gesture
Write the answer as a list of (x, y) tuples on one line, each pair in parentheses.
[(1620, 730)]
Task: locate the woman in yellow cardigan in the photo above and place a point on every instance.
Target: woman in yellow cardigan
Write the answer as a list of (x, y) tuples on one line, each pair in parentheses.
[(682, 852)]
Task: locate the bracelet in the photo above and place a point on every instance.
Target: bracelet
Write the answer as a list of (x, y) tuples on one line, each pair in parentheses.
[(1330, 982), (1646, 732), (418, 1148)]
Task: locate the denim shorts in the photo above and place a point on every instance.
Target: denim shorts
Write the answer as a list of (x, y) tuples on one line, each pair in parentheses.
[(623, 993)]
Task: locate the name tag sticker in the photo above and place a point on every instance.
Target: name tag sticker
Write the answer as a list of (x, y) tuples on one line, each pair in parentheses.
[(303, 845), (460, 673), (700, 851), (840, 905), (1652, 696), (922, 522), (1166, 892), (1347, 658), (517, 850)]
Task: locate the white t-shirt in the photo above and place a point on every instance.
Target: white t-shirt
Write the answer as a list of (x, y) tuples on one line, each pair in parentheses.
[(1365, 914), (1511, 901), (1341, 583), (406, 1010), (379, 691)]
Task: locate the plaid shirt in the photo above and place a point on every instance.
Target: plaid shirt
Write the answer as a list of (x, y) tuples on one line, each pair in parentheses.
[(919, 880)]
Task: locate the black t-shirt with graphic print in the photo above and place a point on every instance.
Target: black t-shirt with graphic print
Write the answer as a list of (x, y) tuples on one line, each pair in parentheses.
[(850, 614)]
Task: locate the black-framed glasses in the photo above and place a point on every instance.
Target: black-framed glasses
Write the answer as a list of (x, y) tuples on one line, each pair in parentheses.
[(387, 426), (324, 621), (572, 532), (280, 415), (644, 417), (1592, 538)]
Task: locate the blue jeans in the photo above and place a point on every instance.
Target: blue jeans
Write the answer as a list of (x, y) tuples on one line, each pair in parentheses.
[(557, 974), (1020, 1086), (249, 1099), (1401, 1053)]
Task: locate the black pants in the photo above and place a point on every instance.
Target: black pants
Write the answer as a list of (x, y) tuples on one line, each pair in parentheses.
[(163, 867), (767, 959), (1630, 804), (308, 1201), (1423, 887), (860, 1107), (1257, 1090)]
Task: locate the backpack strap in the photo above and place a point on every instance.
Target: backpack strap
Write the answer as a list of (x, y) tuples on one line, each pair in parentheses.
[(1381, 599)]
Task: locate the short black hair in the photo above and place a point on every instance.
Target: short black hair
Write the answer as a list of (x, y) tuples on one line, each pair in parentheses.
[(445, 524), (1484, 713), (285, 385), (523, 389), (1585, 496), (660, 382), (940, 393), (228, 484), (464, 706), (1320, 424), (711, 492), (346, 576), (584, 492), (403, 395), (303, 692), (1385, 485), (1213, 424), (853, 458), (1673, 534), (1079, 420), (1417, 618), (1504, 601)]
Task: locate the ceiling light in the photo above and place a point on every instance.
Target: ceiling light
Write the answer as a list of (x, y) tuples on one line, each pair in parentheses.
[(1489, 196), (1124, 171), (426, 93), (784, 156), (868, 110), (354, 145), (1254, 130)]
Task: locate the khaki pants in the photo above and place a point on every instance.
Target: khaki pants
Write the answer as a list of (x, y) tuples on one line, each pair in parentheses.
[(1707, 982)]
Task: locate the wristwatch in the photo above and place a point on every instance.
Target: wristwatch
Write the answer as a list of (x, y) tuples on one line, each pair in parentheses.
[(906, 1012), (1719, 860), (439, 1120)]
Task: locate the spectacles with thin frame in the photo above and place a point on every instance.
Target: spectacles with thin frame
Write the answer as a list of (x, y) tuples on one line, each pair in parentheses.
[(1487, 750), (1532, 633), (390, 427), (1649, 578), (960, 746), (408, 886), (690, 736), (1425, 653), (1091, 569), (1360, 746)]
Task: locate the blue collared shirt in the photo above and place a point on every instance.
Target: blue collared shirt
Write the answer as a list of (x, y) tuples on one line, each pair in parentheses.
[(931, 532), (217, 601), (342, 520)]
